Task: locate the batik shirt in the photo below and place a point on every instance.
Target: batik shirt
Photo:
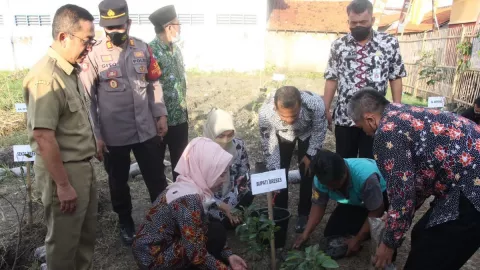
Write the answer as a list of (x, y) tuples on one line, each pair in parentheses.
[(354, 67), (311, 124), (240, 167), (174, 236), (173, 81), (423, 152)]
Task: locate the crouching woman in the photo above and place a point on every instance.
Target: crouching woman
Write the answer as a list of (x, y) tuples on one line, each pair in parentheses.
[(176, 233), (359, 189)]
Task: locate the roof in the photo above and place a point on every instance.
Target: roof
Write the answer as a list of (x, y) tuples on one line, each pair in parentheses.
[(310, 16), (443, 17)]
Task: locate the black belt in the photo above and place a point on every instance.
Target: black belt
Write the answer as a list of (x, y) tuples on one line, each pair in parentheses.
[(76, 161)]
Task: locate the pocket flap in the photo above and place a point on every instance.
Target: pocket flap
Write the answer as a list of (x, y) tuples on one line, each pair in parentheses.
[(113, 72), (74, 105), (142, 69)]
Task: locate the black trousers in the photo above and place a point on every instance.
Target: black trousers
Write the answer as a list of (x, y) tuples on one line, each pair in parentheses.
[(352, 142), (176, 140), (117, 164), (446, 246), (286, 152), (348, 219), (216, 241)]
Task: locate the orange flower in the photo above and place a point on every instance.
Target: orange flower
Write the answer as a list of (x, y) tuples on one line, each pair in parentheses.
[(477, 128), (389, 165), (437, 128), (440, 153), (188, 233), (466, 159), (178, 251), (389, 126), (392, 113), (429, 173), (417, 109), (196, 216), (457, 123), (477, 145), (154, 250), (159, 260), (434, 112), (455, 133), (406, 116), (417, 124)]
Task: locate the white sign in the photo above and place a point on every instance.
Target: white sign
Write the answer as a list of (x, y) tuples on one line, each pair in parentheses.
[(278, 77), (268, 181), (436, 102), (21, 107), (22, 153)]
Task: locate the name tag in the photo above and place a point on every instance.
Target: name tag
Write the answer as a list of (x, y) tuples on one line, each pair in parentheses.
[(139, 54), (377, 75), (139, 61)]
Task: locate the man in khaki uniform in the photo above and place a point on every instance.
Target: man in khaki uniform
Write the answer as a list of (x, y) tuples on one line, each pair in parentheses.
[(127, 108), (62, 137)]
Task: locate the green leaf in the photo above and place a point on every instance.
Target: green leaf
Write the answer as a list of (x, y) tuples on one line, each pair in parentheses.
[(330, 263)]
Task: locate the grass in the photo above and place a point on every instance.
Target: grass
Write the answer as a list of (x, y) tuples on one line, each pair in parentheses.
[(11, 89), (409, 99)]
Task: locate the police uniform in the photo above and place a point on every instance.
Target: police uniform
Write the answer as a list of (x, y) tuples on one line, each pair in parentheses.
[(56, 101), (126, 101)]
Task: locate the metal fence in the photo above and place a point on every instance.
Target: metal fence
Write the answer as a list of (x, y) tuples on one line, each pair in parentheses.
[(456, 85)]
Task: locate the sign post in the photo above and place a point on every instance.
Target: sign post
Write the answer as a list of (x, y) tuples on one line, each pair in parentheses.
[(30, 156), (266, 183)]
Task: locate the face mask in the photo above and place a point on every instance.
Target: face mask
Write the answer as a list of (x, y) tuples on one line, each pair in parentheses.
[(177, 39), (117, 38), (224, 142), (360, 33)]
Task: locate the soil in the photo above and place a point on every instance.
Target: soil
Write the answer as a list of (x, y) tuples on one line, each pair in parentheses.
[(235, 93)]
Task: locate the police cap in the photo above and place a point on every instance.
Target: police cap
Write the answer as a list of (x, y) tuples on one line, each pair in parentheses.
[(113, 12), (162, 16)]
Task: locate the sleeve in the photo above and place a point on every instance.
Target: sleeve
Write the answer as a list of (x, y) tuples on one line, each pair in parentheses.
[(244, 168), (45, 99), (319, 129), (331, 72), (89, 78), (319, 198), (154, 90), (396, 67), (187, 213), (372, 193), (269, 140), (397, 167)]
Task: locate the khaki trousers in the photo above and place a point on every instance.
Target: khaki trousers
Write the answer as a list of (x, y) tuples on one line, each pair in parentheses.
[(70, 238)]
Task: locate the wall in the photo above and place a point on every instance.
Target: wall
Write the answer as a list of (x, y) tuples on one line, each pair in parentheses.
[(298, 51), (207, 46)]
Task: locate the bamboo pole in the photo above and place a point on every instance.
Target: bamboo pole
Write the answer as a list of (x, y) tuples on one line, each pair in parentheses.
[(457, 74), (272, 241), (415, 88)]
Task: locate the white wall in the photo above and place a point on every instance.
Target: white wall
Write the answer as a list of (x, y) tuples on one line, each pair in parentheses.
[(205, 47)]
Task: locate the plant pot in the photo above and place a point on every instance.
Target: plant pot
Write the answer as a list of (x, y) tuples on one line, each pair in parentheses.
[(281, 217)]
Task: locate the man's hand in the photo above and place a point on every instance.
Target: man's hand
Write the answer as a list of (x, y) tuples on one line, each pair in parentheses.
[(237, 263), (299, 241), (68, 198), (383, 256), (101, 149), (162, 127), (329, 118), (353, 246), (239, 181), (306, 162)]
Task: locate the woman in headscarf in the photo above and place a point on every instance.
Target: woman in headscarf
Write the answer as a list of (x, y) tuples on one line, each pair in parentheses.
[(176, 233), (236, 192)]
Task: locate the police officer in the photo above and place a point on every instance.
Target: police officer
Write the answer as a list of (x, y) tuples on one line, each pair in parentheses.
[(127, 108), (62, 137)]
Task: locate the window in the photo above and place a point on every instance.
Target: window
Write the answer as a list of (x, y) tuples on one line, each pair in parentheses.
[(191, 19), (236, 19), (139, 18), (32, 20)]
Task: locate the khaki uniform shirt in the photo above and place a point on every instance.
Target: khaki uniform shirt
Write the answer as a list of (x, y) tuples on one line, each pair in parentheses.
[(55, 100), (126, 96)]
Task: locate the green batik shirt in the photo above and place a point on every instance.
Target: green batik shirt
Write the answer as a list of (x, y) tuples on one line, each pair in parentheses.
[(173, 81)]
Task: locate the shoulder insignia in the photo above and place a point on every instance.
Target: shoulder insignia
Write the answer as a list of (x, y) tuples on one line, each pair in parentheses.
[(132, 42), (109, 45)]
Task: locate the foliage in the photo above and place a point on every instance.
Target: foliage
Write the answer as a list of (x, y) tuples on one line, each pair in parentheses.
[(255, 232), (430, 71), (311, 258), (464, 51)]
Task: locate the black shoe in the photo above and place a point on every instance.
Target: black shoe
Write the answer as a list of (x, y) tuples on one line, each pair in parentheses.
[(126, 235), (301, 224)]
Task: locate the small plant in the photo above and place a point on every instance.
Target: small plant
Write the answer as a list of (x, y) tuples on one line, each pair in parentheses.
[(464, 50), (311, 258), (430, 71), (256, 232)]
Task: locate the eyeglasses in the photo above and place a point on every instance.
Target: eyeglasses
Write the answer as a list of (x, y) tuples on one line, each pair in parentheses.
[(88, 42)]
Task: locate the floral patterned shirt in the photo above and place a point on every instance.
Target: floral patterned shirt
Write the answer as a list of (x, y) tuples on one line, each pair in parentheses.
[(423, 152), (173, 236), (173, 80), (355, 66), (240, 167), (311, 123)]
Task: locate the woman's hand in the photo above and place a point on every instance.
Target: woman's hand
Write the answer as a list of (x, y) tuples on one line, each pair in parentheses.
[(237, 263), (234, 220)]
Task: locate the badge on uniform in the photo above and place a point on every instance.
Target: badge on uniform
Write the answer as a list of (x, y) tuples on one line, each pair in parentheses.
[(143, 69), (113, 84), (112, 74), (107, 58), (132, 43), (109, 45), (377, 75), (84, 66), (139, 54)]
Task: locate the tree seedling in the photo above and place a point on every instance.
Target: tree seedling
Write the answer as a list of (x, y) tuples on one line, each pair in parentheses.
[(311, 258)]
